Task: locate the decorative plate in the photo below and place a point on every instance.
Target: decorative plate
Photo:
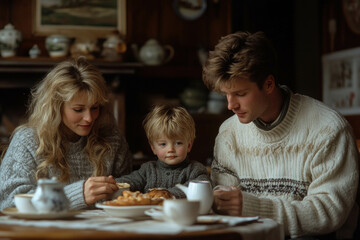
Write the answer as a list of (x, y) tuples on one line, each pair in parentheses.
[(125, 211)]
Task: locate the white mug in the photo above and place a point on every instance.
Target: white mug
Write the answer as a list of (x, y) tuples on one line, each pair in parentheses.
[(23, 203), (181, 211)]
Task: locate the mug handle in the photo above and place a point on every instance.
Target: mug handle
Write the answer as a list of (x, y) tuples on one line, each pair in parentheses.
[(171, 53)]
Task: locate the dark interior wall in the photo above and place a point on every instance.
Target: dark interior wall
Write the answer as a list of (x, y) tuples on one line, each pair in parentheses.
[(307, 51), (299, 30), (275, 19), (294, 28)]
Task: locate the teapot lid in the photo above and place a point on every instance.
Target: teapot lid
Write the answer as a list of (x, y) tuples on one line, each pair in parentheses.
[(9, 26), (51, 181)]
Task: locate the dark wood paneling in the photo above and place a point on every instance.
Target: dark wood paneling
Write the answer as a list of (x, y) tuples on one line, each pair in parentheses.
[(344, 38), (145, 19)]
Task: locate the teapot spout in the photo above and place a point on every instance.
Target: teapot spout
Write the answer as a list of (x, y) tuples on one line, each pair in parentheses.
[(182, 188)]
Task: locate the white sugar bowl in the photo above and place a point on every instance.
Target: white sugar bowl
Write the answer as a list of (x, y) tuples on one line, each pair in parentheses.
[(50, 197)]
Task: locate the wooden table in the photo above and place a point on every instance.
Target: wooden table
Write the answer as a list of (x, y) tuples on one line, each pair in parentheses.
[(22, 232), (266, 229)]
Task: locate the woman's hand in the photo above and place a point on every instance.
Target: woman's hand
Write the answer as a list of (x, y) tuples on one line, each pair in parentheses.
[(97, 188), (228, 202)]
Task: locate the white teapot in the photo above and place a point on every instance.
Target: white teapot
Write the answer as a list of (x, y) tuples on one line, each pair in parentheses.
[(199, 191), (50, 197), (152, 53)]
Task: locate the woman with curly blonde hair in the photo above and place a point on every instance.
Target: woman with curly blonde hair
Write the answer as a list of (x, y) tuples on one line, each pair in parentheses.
[(70, 134)]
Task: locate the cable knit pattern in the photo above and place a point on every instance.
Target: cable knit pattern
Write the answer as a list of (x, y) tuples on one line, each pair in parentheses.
[(157, 174), (18, 167), (302, 173)]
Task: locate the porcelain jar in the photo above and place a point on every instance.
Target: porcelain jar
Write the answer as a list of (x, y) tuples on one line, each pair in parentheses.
[(152, 53), (50, 197), (34, 52), (57, 45), (113, 48), (10, 39)]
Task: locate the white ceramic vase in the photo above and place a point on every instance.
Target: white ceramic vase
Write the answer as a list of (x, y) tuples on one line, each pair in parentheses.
[(10, 39)]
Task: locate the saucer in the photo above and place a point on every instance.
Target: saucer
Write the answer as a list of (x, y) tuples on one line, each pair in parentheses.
[(125, 211), (156, 214), (13, 212)]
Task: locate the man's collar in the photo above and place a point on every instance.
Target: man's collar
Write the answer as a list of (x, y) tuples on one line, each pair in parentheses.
[(268, 126)]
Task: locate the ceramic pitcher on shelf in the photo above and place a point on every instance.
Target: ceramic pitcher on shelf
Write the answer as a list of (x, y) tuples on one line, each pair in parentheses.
[(50, 197), (152, 53), (199, 191), (10, 39)]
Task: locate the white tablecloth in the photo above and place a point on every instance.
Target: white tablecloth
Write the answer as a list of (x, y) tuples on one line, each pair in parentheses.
[(98, 219)]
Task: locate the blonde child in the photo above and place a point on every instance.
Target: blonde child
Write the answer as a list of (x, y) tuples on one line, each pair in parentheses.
[(171, 132)]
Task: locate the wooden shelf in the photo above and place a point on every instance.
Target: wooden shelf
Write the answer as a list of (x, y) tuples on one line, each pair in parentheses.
[(44, 64)]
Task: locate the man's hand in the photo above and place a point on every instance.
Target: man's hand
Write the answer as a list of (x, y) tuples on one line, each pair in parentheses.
[(228, 201), (97, 188)]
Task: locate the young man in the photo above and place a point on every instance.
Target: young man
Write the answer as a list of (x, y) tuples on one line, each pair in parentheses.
[(282, 155)]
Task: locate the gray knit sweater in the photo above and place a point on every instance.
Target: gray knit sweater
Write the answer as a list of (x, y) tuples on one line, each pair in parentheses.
[(18, 167), (157, 174)]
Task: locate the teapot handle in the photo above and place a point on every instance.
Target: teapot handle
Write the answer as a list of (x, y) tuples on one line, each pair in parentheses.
[(171, 53)]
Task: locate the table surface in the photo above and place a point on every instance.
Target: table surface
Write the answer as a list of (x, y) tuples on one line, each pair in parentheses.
[(266, 229)]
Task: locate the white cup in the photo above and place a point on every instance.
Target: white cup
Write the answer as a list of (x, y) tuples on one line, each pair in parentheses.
[(122, 187), (181, 211), (23, 203)]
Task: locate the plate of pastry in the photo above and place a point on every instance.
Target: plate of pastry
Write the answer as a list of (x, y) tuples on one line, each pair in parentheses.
[(134, 204)]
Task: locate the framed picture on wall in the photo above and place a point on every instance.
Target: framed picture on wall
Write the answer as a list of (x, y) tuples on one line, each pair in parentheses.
[(341, 81), (79, 18)]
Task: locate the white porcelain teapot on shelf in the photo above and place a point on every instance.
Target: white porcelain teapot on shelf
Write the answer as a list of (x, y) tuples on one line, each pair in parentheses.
[(199, 191), (152, 53), (50, 197)]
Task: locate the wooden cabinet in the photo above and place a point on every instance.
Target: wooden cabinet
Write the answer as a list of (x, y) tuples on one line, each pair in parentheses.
[(134, 85)]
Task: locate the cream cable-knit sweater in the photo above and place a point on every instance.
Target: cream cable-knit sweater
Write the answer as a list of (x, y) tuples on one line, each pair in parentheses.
[(17, 169), (303, 173)]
